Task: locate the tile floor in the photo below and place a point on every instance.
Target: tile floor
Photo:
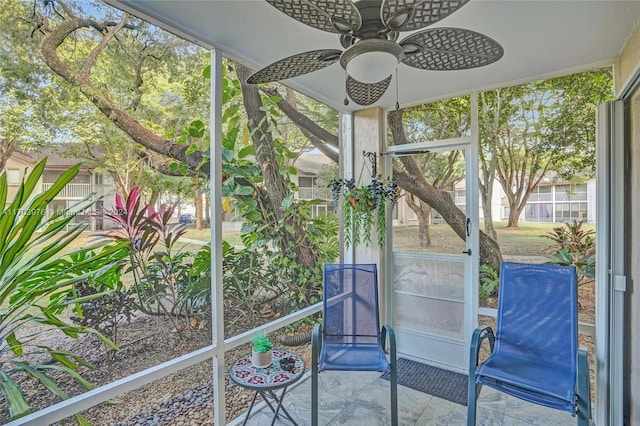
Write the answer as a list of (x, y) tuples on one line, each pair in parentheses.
[(362, 399)]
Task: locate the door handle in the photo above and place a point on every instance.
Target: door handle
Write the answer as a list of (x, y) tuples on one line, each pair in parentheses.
[(467, 252), (468, 227)]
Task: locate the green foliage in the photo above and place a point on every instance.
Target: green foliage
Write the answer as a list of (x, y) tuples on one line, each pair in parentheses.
[(573, 245), (489, 282), (195, 295), (261, 343), (246, 271), (104, 306), (326, 175), (136, 226), (364, 207), (33, 274), (544, 128)]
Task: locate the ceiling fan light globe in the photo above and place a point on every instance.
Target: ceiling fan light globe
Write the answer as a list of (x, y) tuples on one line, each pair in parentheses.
[(372, 67)]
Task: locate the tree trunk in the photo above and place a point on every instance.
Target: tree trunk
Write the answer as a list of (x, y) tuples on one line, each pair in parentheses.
[(423, 212), (207, 210), (486, 198), (412, 179), (153, 198), (198, 206), (424, 218), (514, 216), (7, 147), (275, 185)]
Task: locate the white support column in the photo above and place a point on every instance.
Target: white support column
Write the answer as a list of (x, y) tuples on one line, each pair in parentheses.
[(215, 169), (473, 209), (346, 171), (368, 135), (610, 263)]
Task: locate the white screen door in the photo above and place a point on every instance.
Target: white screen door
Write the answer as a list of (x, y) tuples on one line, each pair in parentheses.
[(431, 289)]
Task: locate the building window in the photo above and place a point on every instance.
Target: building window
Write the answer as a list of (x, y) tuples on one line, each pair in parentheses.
[(540, 212), (305, 182), (506, 210), (13, 176), (571, 192)]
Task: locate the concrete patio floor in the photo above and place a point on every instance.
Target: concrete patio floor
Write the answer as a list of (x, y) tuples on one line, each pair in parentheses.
[(362, 398)]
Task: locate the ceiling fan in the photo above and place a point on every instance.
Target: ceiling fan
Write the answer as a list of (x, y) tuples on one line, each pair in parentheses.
[(369, 30)]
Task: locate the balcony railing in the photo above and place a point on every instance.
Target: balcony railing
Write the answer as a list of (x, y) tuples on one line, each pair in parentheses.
[(71, 190), (312, 193)]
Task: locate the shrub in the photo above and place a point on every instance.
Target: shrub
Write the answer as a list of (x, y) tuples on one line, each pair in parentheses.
[(489, 282), (102, 301), (33, 276), (573, 246)]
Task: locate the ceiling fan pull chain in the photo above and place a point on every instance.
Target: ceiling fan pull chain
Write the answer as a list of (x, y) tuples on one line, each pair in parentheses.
[(346, 98), (397, 102)]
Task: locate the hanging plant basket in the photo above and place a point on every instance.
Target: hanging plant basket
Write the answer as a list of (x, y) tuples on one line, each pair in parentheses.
[(364, 207)]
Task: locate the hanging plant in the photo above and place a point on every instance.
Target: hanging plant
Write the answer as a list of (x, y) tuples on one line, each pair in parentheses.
[(364, 207)]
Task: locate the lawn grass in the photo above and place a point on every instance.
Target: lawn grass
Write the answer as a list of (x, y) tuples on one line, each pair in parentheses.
[(527, 240), (232, 236)]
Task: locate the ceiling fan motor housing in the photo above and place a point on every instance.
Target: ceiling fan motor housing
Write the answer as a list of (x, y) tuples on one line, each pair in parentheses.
[(371, 60)]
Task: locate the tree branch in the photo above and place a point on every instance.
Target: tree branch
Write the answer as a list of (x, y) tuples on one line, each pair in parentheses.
[(55, 36), (93, 55), (318, 136)]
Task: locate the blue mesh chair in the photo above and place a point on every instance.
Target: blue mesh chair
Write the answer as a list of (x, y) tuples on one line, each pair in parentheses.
[(534, 354), (350, 338)]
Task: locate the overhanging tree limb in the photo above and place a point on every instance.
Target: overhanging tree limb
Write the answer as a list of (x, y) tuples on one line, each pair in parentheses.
[(54, 36), (412, 179), (319, 137)]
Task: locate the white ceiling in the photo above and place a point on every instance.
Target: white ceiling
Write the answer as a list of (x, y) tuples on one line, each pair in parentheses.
[(541, 38)]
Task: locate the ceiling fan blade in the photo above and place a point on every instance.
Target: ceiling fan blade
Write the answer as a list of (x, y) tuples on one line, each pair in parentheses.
[(366, 93), (293, 66), (334, 16), (450, 49), (409, 15)]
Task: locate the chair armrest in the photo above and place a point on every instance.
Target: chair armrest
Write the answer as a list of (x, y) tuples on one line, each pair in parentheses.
[(583, 388), (387, 331), (479, 335), (316, 344)]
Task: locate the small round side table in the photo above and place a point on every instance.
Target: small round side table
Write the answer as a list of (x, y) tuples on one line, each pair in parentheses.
[(265, 381)]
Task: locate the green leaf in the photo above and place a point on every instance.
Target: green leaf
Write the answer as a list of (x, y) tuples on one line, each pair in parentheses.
[(206, 72), (45, 379), (196, 129), (229, 112), (244, 190), (230, 137), (14, 344), (246, 151), (287, 202), (227, 155), (3, 190), (18, 406), (191, 149)]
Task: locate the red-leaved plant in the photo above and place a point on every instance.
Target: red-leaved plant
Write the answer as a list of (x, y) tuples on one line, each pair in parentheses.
[(150, 237)]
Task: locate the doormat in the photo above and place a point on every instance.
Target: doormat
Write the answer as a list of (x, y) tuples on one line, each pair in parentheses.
[(432, 380)]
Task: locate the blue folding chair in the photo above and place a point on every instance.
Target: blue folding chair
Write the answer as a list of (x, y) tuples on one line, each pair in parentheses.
[(534, 354), (350, 338)]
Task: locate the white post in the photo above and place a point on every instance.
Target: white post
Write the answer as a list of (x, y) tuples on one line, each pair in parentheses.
[(473, 213), (346, 172), (368, 136), (215, 169)]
